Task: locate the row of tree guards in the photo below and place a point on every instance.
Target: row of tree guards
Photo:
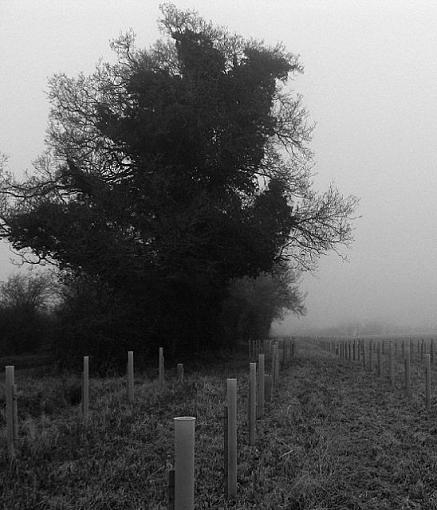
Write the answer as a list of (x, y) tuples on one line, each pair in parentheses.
[(380, 356), (181, 478)]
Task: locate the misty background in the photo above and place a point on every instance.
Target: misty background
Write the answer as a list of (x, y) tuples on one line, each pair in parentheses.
[(369, 85)]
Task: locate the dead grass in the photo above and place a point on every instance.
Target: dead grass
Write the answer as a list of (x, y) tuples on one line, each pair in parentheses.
[(336, 437)]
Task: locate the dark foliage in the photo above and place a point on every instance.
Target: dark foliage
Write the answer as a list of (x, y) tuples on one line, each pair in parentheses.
[(253, 303), (25, 321), (170, 174)]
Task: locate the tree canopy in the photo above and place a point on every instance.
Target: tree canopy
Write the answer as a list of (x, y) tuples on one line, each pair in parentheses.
[(174, 171)]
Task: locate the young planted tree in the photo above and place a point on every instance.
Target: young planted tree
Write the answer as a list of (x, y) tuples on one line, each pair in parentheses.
[(173, 172)]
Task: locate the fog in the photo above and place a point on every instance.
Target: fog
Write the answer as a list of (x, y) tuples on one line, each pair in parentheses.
[(370, 86)]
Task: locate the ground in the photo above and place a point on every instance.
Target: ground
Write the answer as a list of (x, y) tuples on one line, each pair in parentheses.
[(335, 437)]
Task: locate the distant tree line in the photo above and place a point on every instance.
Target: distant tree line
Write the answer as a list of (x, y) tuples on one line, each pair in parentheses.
[(175, 195)]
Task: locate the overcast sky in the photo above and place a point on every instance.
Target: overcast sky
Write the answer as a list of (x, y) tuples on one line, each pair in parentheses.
[(370, 84)]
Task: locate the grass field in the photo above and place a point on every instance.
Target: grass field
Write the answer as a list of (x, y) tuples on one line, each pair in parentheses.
[(335, 437)]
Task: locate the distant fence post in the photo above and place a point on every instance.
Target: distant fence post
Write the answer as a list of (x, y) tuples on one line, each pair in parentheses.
[(161, 367), (85, 389), (277, 365), (252, 403), (273, 364), (378, 356), (268, 388), (15, 402), (261, 382), (407, 372), (184, 462), (428, 381), (130, 376), (9, 397), (231, 398), (431, 350), (390, 363), (370, 355)]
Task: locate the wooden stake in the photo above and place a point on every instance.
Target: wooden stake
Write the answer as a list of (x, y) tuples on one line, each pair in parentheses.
[(428, 381), (15, 401), (390, 364), (85, 389), (407, 373), (171, 489), (277, 366), (180, 371), (371, 355), (231, 398), (9, 397), (268, 387), (273, 365), (225, 449), (252, 403), (184, 462), (261, 383), (130, 376), (378, 356), (161, 367)]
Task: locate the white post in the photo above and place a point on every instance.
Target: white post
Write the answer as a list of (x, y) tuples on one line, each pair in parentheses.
[(130, 376), (252, 403), (9, 394), (231, 398), (184, 462), (85, 389)]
